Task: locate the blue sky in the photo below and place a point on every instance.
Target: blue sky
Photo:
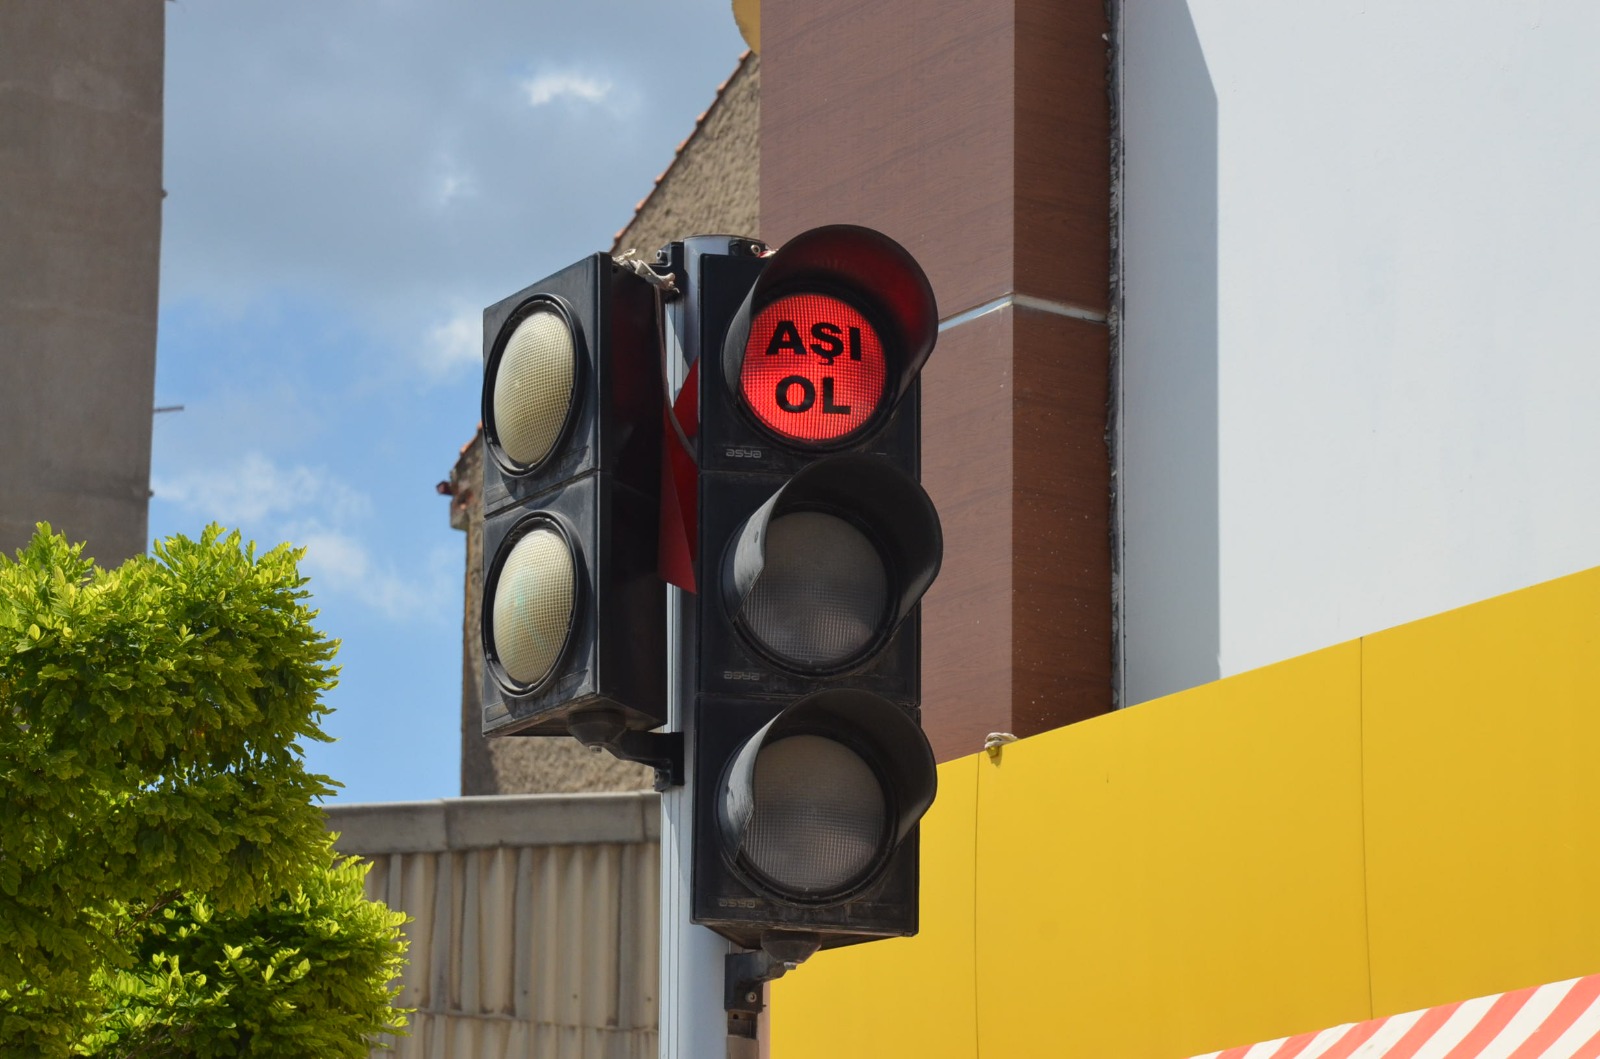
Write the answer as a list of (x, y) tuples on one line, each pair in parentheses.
[(348, 185)]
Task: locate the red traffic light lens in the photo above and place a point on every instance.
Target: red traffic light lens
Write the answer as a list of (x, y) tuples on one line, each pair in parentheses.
[(813, 368)]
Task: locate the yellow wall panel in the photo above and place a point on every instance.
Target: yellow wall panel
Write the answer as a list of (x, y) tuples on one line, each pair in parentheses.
[(905, 996), (1178, 877), (1385, 825), (1483, 796)]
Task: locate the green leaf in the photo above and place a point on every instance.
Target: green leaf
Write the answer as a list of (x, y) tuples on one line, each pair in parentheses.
[(166, 875)]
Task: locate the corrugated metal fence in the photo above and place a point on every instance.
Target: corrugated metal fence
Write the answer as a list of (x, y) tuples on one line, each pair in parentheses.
[(534, 921)]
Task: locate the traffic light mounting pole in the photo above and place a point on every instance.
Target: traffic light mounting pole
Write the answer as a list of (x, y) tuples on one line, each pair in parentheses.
[(694, 1020)]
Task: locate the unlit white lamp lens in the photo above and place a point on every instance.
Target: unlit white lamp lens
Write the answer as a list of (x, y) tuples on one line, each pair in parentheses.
[(822, 594), (533, 605), (820, 815), (533, 387)]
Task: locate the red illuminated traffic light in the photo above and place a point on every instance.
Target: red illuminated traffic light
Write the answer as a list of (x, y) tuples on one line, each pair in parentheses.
[(813, 370), (816, 544)]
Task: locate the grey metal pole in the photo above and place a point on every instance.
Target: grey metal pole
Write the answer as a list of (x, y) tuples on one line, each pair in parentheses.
[(693, 1024)]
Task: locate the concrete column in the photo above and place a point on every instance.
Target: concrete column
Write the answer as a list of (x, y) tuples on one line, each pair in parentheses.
[(80, 241)]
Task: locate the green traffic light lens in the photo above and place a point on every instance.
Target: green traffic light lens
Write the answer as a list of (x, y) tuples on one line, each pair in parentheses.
[(820, 817)]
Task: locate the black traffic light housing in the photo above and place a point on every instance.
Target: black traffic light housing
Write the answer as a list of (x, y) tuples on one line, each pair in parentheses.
[(574, 463), (816, 543), (743, 899), (613, 423), (873, 496)]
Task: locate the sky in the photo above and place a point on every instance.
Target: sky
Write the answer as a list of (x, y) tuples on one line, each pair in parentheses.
[(348, 186)]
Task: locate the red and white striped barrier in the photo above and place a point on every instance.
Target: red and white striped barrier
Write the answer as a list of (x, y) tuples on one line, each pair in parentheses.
[(1556, 1021)]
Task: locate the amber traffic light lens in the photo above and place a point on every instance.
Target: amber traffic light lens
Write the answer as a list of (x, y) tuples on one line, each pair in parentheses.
[(820, 816), (813, 368), (533, 603), (823, 594), (533, 387)]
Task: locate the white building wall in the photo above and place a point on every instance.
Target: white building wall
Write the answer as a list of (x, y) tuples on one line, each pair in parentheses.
[(1360, 345)]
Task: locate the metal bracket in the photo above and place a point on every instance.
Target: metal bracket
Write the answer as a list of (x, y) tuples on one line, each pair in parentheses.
[(604, 729), (743, 976), (744, 973), (662, 751)]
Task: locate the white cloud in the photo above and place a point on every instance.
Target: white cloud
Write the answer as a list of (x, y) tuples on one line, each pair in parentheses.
[(336, 184), (254, 488), (454, 182), (551, 87), (341, 562), (314, 511), (454, 344), (453, 186), (435, 161), (310, 508)]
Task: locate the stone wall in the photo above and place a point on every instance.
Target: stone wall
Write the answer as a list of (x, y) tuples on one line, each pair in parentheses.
[(712, 186)]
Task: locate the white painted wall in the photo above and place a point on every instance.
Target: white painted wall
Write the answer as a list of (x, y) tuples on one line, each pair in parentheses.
[(1361, 334)]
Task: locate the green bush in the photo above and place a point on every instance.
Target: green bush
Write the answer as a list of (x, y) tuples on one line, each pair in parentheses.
[(156, 816), (305, 975)]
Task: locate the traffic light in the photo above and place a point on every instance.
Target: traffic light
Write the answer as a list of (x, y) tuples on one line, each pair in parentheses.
[(815, 544), (573, 610)]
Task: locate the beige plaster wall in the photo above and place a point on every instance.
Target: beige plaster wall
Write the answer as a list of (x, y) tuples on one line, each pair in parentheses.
[(712, 186)]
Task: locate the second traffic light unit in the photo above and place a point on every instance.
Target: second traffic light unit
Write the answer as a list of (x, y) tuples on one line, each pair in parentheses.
[(816, 543), (573, 609)]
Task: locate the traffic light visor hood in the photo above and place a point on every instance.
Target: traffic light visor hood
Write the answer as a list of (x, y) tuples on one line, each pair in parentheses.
[(813, 804), (830, 565), (832, 333)]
